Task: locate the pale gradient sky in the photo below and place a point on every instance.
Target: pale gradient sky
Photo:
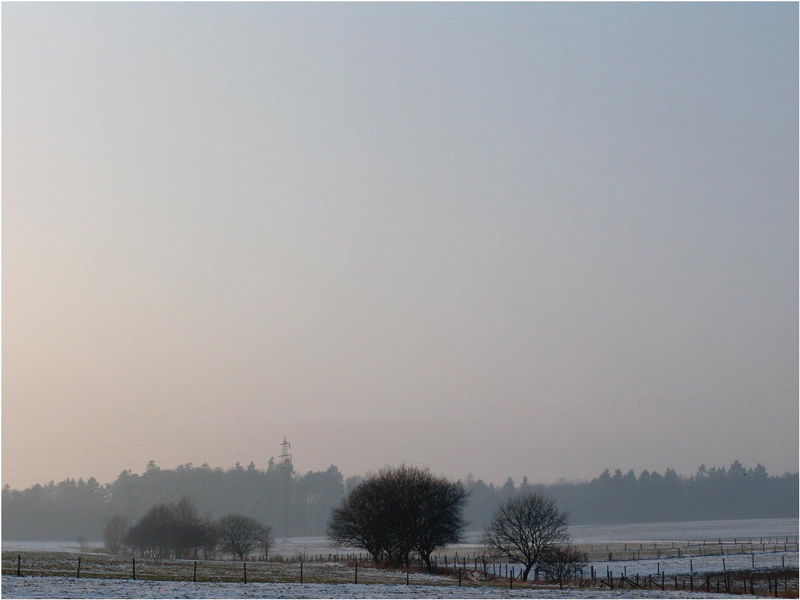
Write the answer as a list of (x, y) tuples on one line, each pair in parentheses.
[(506, 239)]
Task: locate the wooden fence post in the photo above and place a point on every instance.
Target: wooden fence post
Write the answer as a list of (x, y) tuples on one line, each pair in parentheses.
[(134, 569), (244, 564), (356, 579), (78, 575), (301, 571), (19, 563), (194, 575), (459, 577)]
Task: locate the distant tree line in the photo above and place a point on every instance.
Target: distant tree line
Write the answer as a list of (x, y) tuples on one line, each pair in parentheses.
[(709, 494), (70, 508)]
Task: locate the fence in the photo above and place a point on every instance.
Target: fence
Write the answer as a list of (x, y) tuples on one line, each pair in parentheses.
[(351, 568)]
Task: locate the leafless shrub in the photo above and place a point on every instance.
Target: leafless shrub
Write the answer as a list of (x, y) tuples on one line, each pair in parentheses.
[(562, 562)]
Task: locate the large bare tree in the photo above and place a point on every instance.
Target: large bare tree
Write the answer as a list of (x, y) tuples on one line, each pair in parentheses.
[(114, 532), (398, 511), (239, 534), (523, 528)]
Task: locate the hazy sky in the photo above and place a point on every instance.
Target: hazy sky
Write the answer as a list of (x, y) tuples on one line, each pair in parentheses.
[(506, 239)]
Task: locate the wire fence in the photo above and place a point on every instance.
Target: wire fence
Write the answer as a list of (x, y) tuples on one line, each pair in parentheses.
[(775, 580)]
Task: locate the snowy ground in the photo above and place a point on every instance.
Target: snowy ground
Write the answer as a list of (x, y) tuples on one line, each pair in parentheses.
[(680, 567), (597, 537), (699, 564), (743, 530), (69, 587), (56, 546)]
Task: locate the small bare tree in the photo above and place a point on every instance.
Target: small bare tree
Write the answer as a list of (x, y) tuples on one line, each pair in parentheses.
[(239, 534), (83, 542), (211, 541), (266, 542), (114, 532), (562, 562), (523, 528)]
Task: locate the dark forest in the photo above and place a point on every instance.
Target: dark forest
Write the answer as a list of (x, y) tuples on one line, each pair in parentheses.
[(72, 508)]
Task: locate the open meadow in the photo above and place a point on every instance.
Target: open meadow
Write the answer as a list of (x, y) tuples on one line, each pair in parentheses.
[(621, 561)]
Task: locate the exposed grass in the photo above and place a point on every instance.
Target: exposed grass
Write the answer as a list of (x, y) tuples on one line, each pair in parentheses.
[(102, 566)]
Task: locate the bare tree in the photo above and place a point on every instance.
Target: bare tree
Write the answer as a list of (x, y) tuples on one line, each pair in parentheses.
[(523, 528), (83, 542), (155, 534), (190, 530), (266, 542), (114, 532), (357, 521), (398, 511), (560, 562), (210, 541), (441, 515), (239, 534)]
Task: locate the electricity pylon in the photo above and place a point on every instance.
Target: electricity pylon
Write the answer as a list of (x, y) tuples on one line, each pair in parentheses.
[(286, 473)]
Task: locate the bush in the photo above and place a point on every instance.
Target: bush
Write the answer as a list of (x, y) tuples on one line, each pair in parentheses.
[(398, 511), (562, 562), (169, 531)]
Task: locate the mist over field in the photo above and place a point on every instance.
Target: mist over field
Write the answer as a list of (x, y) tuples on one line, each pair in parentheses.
[(70, 509)]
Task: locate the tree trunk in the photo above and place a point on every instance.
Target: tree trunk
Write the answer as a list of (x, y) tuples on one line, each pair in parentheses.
[(526, 572)]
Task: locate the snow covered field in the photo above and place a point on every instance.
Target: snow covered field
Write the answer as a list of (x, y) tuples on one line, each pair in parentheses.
[(47, 567), (704, 564), (686, 530), (58, 546), (69, 587), (745, 529), (677, 531)]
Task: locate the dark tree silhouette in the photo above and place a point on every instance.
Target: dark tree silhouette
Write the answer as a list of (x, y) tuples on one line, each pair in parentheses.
[(524, 527), (239, 534), (398, 511), (114, 532), (169, 530), (358, 520)]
